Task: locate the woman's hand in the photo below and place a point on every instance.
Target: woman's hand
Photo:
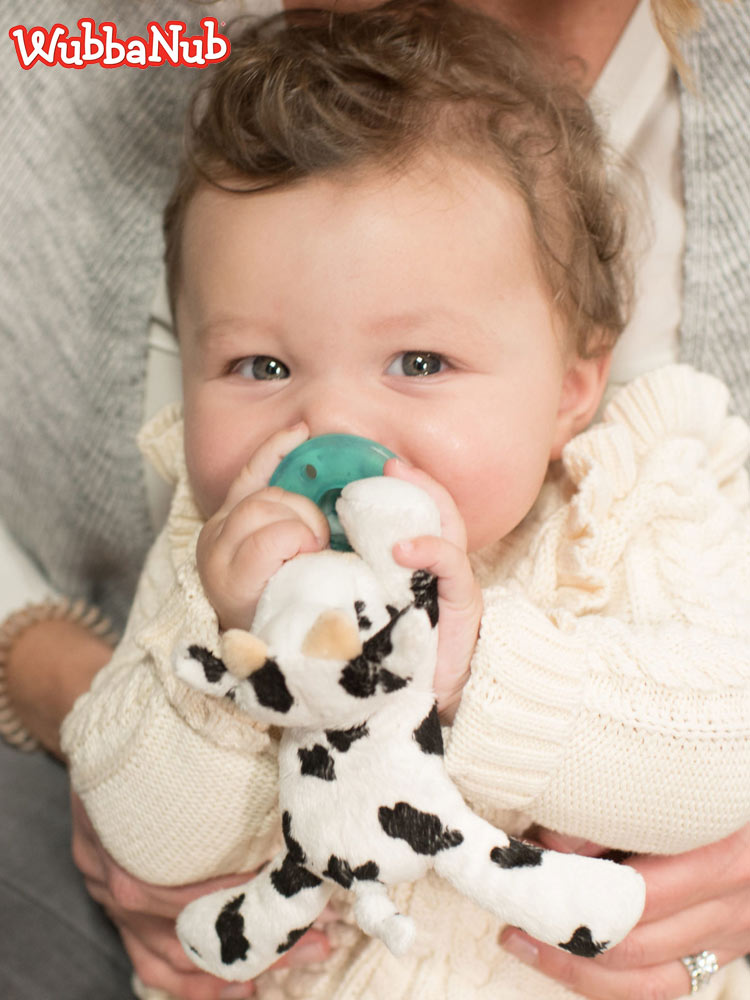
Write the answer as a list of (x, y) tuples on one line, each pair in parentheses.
[(459, 594), (145, 917), (697, 901), (49, 666), (255, 531)]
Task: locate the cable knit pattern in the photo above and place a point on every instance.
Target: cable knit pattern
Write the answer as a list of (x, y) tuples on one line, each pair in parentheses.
[(609, 696), (625, 610), (180, 787)]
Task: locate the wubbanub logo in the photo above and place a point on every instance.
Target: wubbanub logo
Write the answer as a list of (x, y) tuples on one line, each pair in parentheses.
[(163, 43)]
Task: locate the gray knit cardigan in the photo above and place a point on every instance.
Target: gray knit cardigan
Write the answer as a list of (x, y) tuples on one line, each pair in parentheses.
[(88, 158)]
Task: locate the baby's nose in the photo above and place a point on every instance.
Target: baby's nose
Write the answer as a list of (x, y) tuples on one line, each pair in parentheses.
[(335, 410)]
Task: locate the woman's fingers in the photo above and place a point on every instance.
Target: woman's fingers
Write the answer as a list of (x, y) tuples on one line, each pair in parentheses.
[(311, 948), (721, 924), (144, 915), (154, 968), (591, 978), (697, 901), (677, 882)]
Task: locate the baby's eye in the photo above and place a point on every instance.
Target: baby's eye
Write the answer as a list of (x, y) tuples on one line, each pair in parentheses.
[(260, 367), (416, 363)]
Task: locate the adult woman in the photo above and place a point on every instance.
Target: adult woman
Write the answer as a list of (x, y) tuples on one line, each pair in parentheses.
[(98, 545)]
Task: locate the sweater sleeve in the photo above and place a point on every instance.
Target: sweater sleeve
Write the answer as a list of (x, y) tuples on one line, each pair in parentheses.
[(179, 787), (610, 688)]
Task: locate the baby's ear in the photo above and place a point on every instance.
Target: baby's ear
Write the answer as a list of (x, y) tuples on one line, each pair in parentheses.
[(582, 388)]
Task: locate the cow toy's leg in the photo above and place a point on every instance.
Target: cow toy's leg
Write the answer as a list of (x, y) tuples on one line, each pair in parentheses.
[(377, 915), (583, 905), (204, 671), (237, 933)]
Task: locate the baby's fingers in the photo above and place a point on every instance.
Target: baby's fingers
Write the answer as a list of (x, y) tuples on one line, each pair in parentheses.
[(263, 508), (255, 474), (457, 588), (451, 523), (460, 599), (262, 553), (234, 586)]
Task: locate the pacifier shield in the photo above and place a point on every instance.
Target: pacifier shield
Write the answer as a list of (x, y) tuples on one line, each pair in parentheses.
[(320, 468)]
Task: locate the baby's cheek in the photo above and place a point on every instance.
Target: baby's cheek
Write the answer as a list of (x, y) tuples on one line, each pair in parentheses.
[(208, 474), (497, 502)]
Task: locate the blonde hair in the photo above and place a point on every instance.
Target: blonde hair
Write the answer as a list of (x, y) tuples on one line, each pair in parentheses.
[(674, 20), (318, 92)]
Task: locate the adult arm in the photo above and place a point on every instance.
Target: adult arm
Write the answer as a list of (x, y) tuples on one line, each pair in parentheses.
[(51, 662)]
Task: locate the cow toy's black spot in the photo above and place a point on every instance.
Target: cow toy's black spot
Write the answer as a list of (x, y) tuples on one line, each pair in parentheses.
[(292, 878), (362, 676), (391, 682), (270, 687), (517, 855), (425, 589), (362, 679), (367, 872), (583, 944), (363, 621), (317, 763), (428, 734), (292, 939), (213, 667), (342, 739), (230, 928), (340, 871), (423, 832), (359, 678), (294, 848)]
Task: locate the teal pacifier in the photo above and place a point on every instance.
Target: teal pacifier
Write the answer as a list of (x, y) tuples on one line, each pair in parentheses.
[(320, 468)]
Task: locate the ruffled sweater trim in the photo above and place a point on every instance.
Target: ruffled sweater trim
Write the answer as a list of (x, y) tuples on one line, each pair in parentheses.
[(621, 604)]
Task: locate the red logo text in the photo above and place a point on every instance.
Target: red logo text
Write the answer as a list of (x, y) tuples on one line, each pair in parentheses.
[(164, 43)]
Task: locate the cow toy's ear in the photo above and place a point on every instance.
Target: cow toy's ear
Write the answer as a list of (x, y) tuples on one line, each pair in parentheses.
[(242, 652), (333, 636)]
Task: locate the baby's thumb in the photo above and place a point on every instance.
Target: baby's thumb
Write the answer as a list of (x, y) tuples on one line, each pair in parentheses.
[(254, 475)]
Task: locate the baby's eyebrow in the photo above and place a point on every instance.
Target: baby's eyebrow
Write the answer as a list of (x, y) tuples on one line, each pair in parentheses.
[(432, 319), (226, 325)]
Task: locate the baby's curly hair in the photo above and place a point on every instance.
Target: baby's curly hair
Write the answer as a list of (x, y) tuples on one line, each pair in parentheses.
[(316, 93)]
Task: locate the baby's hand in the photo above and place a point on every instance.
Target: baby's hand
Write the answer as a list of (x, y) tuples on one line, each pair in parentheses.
[(255, 531), (459, 594)]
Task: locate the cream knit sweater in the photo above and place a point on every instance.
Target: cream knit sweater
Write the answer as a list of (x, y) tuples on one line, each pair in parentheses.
[(609, 696)]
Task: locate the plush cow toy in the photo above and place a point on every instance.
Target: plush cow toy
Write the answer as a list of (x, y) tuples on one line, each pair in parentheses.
[(341, 656)]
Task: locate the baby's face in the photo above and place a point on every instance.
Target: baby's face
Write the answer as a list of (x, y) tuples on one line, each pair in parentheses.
[(405, 310)]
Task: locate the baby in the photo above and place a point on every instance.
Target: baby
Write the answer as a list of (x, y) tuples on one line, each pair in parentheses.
[(393, 224)]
